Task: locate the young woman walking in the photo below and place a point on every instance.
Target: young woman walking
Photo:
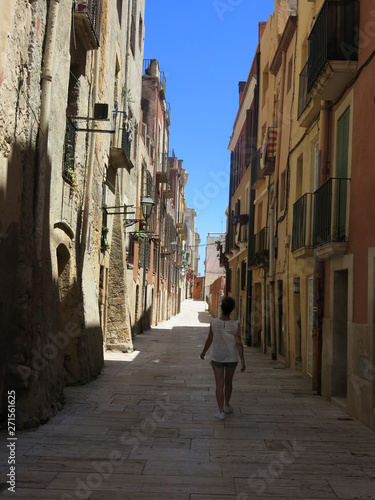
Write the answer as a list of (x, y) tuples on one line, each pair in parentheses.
[(224, 335)]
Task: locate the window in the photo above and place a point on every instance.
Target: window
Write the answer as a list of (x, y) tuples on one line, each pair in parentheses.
[(289, 77), (282, 191), (342, 171), (249, 137), (229, 284), (130, 256), (247, 213), (299, 177), (69, 153), (141, 253), (265, 85), (148, 253), (155, 259), (119, 10), (132, 35), (140, 33), (243, 275), (342, 145)]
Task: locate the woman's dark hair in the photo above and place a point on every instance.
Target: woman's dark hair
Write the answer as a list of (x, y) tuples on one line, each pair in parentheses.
[(227, 305)]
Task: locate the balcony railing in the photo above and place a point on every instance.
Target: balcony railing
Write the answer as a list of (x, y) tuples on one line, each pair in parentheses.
[(258, 249), (331, 203), (334, 36), (87, 18), (168, 113), (302, 232), (151, 68), (162, 168), (120, 153)]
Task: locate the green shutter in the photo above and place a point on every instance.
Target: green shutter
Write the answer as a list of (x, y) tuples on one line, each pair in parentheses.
[(340, 191)]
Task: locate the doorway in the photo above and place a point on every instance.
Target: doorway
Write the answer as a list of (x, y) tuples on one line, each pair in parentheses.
[(310, 323), (280, 317), (297, 323), (340, 335)]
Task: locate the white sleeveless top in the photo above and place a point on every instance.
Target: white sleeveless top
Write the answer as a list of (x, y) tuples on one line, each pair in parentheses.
[(224, 348)]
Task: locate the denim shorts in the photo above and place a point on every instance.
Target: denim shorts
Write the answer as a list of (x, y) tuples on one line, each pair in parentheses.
[(219, 364)]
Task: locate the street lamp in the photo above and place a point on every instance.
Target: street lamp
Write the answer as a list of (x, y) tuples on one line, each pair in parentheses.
[(147, 205)]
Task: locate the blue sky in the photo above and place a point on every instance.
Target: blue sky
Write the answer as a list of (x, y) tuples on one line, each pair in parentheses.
[(204, 48)]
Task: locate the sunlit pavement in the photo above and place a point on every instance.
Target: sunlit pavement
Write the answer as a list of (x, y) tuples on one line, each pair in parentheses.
[(145, 429)]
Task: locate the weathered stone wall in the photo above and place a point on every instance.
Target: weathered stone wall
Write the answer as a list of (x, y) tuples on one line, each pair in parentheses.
[(50, 331), (28, 295), (118, 326)]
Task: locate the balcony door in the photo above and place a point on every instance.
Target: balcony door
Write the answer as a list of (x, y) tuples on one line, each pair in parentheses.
[(341, 191)]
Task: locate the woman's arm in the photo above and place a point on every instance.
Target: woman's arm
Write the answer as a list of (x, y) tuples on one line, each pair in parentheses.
[(208, 343), (240, 349)]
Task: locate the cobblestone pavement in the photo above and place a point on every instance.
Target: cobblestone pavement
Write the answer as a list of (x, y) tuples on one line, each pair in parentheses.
[(145, 429)]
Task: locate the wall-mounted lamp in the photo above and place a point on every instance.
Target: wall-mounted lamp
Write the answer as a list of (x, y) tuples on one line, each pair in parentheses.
[(147, 204)]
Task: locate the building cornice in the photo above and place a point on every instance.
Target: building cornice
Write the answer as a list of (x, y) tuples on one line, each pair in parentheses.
[(246, 101)]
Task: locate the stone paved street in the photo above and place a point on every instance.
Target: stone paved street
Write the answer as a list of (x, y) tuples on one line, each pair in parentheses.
[(145, 429)]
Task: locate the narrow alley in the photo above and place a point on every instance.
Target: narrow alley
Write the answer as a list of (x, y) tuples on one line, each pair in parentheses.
[(145, 429)]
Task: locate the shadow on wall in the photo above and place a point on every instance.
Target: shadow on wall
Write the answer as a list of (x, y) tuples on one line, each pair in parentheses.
[(143, 324), (43, 341)]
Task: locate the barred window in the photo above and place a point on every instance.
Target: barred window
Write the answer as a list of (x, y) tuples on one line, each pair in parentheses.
[(131, 250), (141, 253), (155, 261), (148, 253)]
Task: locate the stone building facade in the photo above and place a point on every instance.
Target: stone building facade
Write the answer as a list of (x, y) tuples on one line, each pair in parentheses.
[(76, 162), (312, 293)]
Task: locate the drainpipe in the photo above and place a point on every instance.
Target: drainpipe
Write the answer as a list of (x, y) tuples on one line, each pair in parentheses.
[(318, 271), (272, 211), (45, 111), (90, 166)]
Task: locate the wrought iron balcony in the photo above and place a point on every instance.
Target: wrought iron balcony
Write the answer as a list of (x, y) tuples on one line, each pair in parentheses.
[(302, 231), (120, 151), (307, 108), (331, 208), (87, 19), (168, 113), (162, 168), (333, 49), (258, 249)]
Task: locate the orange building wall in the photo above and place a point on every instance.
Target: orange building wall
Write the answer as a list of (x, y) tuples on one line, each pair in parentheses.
[(198, 288)]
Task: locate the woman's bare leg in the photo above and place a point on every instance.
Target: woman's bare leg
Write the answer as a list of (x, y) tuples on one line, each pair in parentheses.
[(219, 380), (229, 372)]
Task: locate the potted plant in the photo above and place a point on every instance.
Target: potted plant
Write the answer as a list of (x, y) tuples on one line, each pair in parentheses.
[(105, 246)]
